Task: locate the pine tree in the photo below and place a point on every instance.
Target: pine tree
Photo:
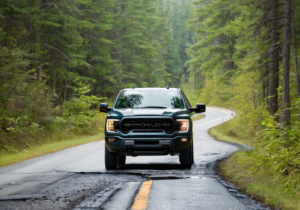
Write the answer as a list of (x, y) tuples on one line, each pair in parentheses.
[(286, 101), (216, 25)]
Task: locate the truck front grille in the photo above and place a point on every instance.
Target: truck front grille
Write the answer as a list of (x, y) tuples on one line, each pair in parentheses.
[(147, 125), (146, 142)]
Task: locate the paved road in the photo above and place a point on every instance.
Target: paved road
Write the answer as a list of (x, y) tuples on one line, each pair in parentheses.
[(76, 178)]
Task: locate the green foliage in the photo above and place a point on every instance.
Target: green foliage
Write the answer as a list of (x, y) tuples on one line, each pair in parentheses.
[(230, 66), (269, 172), (60, 58), (81, 103), (280, 146), (229, 54), (278, 188), (27, 116), (115, 44)]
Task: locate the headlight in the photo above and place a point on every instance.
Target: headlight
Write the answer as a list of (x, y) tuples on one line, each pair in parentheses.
[(110, 125), (184, 125)]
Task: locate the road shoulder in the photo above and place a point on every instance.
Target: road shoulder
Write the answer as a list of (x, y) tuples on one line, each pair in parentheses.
[(243, 170), (36, 151)]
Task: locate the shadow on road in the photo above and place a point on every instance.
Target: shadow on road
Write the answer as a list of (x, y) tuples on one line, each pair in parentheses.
[(154, 166)]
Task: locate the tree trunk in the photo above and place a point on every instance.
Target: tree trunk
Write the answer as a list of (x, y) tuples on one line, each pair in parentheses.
[(295, 49), (274, 66), (267, 95), (265, 85), (9, 25), (65, 94), (230, 55), (264, 91), (286, 100), (30, 25), (229, 64), (54, 82), (39, 77), (42, 45), (8, 29)]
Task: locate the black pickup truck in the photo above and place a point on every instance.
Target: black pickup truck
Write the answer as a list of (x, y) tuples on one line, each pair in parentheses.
[(149, 121)]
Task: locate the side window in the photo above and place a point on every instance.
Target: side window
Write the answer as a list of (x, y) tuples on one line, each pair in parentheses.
[(186, 99)]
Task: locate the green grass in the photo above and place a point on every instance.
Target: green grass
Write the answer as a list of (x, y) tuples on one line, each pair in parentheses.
[(261, 185), (220, 132), (198, 117), (243, 169), (9, 158)]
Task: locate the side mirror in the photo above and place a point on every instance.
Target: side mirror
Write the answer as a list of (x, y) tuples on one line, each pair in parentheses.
[(199, 108), (104, 108)]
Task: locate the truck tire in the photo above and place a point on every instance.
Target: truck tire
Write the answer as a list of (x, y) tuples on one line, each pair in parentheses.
[(186, 158), (122, 159), (110, 159)]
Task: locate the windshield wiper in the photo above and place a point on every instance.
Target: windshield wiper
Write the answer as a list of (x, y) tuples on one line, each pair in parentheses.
[(124, 107), (151, 107)]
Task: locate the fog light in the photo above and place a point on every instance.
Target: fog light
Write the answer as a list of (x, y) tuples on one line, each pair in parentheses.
[(184, 139), (111, 139)]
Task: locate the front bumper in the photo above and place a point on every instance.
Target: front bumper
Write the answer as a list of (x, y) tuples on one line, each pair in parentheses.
[(148, 145)]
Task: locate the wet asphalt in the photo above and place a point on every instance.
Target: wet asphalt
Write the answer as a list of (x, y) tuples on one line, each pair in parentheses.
[(76, 178)]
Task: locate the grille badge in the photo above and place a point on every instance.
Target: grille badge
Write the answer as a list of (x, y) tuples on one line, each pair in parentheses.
[(158, 125), (150, 125), (142, 125), (166, 125), (127, 125), (147, 124)]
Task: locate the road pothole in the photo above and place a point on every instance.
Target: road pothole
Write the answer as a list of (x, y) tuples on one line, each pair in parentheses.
[(93, 190)]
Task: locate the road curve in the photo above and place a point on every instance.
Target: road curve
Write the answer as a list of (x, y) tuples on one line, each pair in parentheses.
[(171, 187)]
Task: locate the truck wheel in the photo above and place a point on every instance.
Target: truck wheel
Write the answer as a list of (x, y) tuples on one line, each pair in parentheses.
[(186, 158), (110, 159), (122, 159)]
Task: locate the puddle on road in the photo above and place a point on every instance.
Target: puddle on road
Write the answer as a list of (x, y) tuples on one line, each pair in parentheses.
[(82, 190)]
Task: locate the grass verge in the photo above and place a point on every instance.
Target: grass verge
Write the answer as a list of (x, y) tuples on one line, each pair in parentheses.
[(220, 132), (248, 173), (240, 170), (7, 159), (198, 117)]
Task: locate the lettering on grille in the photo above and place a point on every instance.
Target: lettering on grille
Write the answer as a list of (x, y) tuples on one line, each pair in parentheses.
[(150, 125)]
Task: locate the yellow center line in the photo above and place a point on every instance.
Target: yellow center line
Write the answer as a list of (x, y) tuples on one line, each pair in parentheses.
[(207, 122), (141, 200), (85, 148)]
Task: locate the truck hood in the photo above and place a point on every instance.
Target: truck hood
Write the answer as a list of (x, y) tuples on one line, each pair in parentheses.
[(175, 113)]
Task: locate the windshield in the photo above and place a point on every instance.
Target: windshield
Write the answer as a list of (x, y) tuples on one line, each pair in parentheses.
[(150, 98)]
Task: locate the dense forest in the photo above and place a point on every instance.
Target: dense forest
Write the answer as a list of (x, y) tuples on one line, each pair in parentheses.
[(60, 58), (244, 56)]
